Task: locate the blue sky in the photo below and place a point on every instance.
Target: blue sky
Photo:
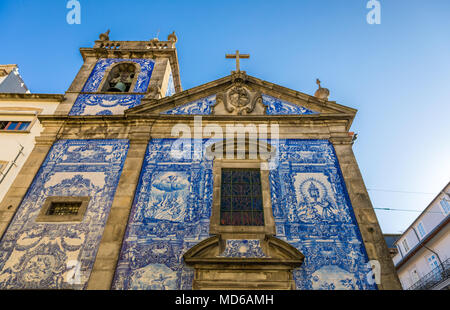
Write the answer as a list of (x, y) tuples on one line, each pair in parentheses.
[(397, 74)]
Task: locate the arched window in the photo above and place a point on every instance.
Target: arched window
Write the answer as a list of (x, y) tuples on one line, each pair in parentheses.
[(121, 78)]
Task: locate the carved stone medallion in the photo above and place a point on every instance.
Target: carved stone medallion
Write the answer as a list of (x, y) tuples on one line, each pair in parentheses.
[(239, 99)]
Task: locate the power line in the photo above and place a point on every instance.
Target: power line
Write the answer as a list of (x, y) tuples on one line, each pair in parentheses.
[(395, 191), (406, 210)]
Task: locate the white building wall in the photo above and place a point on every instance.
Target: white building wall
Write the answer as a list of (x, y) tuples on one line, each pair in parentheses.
[(419, 262), (10, 142), (418, 266)]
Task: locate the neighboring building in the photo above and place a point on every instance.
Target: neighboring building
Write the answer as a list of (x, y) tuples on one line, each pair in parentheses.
[(390, 242), (116, 195), (19, 126), (423, 259), (11, 81)]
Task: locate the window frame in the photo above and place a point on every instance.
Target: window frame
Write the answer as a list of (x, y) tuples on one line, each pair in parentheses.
[(43, 217), (405, 245), (433, 262), (16, 128), (269, 223), (419, 226)]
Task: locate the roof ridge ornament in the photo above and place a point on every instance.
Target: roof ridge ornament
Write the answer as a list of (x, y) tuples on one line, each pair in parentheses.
[(238, 77), (321, 93), (104, 36), (237, 56), (172, 37)]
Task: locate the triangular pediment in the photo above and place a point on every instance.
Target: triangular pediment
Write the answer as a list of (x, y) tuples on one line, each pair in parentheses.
[(241, 94), (276, 251)]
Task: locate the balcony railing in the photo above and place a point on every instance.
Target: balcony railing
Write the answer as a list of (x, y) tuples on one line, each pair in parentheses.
[(436, 276)]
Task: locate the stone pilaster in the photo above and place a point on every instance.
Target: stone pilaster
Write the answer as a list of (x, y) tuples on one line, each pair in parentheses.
[(365, 216), (18, 189), (108, 253), (77, 85)]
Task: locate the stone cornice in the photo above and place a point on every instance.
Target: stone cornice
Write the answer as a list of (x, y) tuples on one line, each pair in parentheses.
[(33, 97), (210, 118)]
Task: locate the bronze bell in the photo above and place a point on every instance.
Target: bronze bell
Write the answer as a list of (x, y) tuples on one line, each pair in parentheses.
[(119, 87)]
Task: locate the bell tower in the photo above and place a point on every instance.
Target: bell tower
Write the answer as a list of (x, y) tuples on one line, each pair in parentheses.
[(117, 75)]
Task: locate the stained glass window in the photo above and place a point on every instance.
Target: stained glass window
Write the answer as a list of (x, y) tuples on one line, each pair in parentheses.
[(241, 198), (64, 208)]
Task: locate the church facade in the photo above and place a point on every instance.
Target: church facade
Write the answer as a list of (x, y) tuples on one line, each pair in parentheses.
[(135, 184)]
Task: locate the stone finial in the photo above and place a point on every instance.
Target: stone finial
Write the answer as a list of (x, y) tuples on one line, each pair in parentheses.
[(321, 93), (7, 69), (172, 37), (104, 36)]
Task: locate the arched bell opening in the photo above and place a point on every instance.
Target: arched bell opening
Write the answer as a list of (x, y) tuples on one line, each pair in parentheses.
[(121, 78)]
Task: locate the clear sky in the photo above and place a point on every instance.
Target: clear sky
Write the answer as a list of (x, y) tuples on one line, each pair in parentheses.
[(397, 73)]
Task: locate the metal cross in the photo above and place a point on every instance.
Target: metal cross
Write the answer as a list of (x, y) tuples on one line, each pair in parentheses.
[(237, 56)]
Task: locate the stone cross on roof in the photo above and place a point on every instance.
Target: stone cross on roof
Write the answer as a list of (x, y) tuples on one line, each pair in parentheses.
[(237, 56)]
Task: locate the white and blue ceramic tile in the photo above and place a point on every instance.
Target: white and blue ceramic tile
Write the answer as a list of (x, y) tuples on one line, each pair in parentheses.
[(274, 107), (197, 107), (98, 73), (89, 104), (313, 213), (170, 214), (311, 208), (43, 255)]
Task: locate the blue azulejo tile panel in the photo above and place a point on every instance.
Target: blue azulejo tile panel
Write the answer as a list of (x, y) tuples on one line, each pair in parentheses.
[(35, 255), (88, 104), (313, 213), (311, 207), (281, 107), (274, 107), (98, 73), (170, 214)]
